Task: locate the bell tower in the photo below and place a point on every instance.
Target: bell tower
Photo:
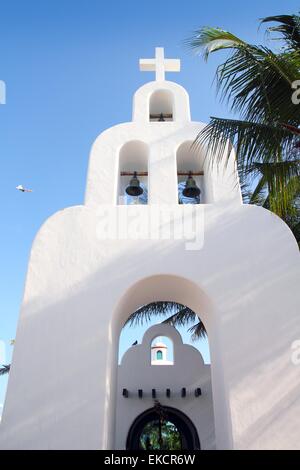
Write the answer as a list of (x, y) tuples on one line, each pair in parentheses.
[(157, 145), (186, 238)]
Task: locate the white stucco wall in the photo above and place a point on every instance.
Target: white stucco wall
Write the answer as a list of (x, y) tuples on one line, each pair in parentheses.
[(80, 288)]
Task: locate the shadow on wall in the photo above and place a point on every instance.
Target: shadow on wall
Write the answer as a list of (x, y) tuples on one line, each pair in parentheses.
[(70, 333)]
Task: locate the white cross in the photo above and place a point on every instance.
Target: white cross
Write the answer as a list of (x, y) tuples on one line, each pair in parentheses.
[(159, 64)]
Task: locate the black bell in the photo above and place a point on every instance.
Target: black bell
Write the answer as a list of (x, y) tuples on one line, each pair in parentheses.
[(191, 189), (134, 188), (161, 118)]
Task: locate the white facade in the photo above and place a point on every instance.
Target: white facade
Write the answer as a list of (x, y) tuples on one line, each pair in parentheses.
[(241, 275), (137, 372)]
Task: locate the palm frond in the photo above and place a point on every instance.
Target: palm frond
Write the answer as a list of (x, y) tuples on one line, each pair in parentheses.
[(197, 331), (208, 40), (253, 141), (259, 194), (4, 369), (296, 231), (146, 312), (178, 315), (256, 81), (292, 216), (288, 27), (284, 170), (282, 181), (181, 317), (257, 84)]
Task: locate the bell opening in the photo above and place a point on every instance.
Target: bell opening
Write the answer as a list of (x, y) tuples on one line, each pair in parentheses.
[(161, 106), (190, 178), (133, 173)]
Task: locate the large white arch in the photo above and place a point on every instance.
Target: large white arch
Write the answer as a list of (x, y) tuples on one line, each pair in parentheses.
[(184, 384), (175, 289)]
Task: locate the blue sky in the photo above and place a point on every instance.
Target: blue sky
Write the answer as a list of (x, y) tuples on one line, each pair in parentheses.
[(71, 68)]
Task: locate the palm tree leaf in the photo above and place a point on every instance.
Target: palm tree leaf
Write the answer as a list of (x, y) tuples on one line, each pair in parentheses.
[(4, 369), (253, 141), (255, 80), (289, 28), (146, 312), (197, 331), (296, 231), (259, 194), (183, 316), (208, 40), (278, 188), (258, 84)]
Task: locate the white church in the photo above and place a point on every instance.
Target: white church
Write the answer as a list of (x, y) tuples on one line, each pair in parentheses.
[(133, 242)]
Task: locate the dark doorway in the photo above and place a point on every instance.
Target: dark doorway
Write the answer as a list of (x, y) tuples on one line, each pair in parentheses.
[(162, 428)]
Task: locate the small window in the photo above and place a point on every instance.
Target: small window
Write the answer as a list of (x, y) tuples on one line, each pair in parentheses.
[(162, 353), (161, 106)]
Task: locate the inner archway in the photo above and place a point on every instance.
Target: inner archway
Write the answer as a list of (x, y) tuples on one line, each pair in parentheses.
[(148, 376), (152, 314), (162, 428), (172, 288)]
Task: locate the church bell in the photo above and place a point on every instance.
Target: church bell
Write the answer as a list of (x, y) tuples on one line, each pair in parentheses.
[(191, 189), (134, 188)]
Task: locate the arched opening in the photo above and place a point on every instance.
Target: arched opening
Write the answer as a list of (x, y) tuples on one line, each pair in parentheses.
[(184, 382), (162, 351), (190, 165), (133, 173), (131, 335), (162, 428), (175, 289), (161, 106)]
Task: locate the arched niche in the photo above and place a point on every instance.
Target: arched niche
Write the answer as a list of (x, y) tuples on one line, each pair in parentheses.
[(189, 160), (184, 382), (184, 435), (161, 106), (162, 351), (186, 292), (133, 157)]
